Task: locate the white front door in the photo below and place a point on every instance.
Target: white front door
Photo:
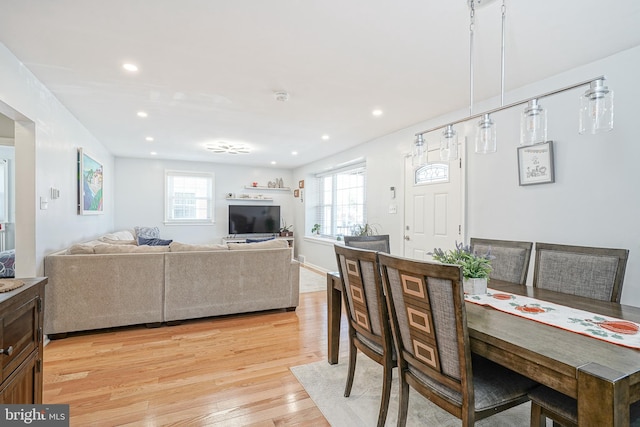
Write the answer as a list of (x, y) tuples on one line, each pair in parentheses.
[(433, 206)]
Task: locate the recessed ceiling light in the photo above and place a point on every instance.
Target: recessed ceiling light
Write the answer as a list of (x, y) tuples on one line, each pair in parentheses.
[(377, 113), (325, 137), (142, 114), (273, 162), (149, 138), (226, 148), (294, 153), (130, 67), (153, 153)]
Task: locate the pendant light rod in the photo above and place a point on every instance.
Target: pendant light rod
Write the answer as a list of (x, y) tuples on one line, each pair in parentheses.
[(502, 51), (471, 25), (515, 104)]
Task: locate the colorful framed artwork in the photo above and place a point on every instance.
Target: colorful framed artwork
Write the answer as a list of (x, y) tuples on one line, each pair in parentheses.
[(296, 193), (535, 164), (301, 183), (90, 185)]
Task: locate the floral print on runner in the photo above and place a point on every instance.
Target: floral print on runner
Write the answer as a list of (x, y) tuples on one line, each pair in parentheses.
[(610, 329)]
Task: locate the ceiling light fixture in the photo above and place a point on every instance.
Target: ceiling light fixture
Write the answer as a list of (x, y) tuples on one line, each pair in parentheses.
[(294, 153), (325, 137), (273, 162), (281, 96), (449, 144), (149, 138), (142, 114), (226, 148), (377, 113), (596, 109), (130, 67)]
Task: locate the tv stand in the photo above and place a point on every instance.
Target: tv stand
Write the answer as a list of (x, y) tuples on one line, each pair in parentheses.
[(241, 239)]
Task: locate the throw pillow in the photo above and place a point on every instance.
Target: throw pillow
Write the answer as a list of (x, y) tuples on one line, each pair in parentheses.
[(153, 242), (118, 242), (147, 232)]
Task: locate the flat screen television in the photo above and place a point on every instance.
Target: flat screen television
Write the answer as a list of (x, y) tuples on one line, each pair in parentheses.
[(251, 219)]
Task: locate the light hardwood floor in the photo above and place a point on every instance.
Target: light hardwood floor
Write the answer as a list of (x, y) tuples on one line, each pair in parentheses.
[(229, 371)]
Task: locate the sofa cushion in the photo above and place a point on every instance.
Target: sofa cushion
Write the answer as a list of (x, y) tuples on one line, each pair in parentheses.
[(269, 244), (119, 235), (147, 232), (153, 242), (127, 249), (185, 247), (81, 248)]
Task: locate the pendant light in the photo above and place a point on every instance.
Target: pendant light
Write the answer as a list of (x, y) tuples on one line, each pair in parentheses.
[(449, 144), (596, 108), (486, 135), (533, 124), (419, 154)]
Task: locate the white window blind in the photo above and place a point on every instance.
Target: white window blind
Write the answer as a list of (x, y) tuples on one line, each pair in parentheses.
[(340, 200), (189, 197)]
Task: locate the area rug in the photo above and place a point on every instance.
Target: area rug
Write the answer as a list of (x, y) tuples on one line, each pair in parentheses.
[(325, 385), (310, 281)]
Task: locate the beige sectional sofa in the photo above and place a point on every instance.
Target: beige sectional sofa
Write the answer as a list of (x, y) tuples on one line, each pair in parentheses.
[(107, 282)]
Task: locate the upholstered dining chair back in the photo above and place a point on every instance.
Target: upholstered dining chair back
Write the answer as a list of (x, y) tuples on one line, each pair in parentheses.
[(429, 326), (596, 273), (510, 259), (369, 325), (379, 243)]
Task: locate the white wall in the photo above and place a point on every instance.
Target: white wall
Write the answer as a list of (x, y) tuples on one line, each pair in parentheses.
[(595, 200), (47, 136), (139, 193)]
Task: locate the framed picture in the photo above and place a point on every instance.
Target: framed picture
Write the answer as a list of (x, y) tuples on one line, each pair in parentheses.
[(296, 193), (535, 164), (301, 183), (90, 185)]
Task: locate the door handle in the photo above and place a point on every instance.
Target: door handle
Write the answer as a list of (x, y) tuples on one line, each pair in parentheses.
[(407, 238)]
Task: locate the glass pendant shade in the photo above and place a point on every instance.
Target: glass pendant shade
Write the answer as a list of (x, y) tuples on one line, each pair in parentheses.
[(486, 136), (596, 109), (419, 154), (533, 124), (449, 144)]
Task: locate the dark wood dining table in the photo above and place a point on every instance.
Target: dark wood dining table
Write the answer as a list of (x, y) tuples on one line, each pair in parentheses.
[(603, 377)]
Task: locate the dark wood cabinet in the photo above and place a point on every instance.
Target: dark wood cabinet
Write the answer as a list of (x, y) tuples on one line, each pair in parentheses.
[(21, 343)]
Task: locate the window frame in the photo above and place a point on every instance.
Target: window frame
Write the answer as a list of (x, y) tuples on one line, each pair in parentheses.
[(332, 230), (169, 207)]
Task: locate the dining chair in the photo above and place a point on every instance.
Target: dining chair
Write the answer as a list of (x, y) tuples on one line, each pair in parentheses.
[(589, 272), (562, 409), (378, 242), (510, 259), (429, 327), (369, 326)]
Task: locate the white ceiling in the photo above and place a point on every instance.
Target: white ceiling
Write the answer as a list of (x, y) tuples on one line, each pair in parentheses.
[(208, 69)]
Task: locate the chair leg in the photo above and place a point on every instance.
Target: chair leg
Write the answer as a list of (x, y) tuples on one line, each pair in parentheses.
[(537, 419), (353, 355), (386, 393), (403, 404)]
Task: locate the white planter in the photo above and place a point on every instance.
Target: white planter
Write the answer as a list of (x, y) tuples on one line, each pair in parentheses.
[(474, 286)]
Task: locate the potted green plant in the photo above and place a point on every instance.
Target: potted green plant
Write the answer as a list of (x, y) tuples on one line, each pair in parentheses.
[(285, 230), (315, 229), (364, 230), (475, 267)]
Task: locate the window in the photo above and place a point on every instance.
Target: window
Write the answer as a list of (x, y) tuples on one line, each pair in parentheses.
[(432, 173), (341, 200), (189, 197)]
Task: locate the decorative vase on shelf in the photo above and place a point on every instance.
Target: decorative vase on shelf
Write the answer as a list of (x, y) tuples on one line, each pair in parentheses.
[(474, 286)]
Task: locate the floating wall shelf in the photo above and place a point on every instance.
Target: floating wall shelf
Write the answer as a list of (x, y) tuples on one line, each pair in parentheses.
[(249, 187)]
